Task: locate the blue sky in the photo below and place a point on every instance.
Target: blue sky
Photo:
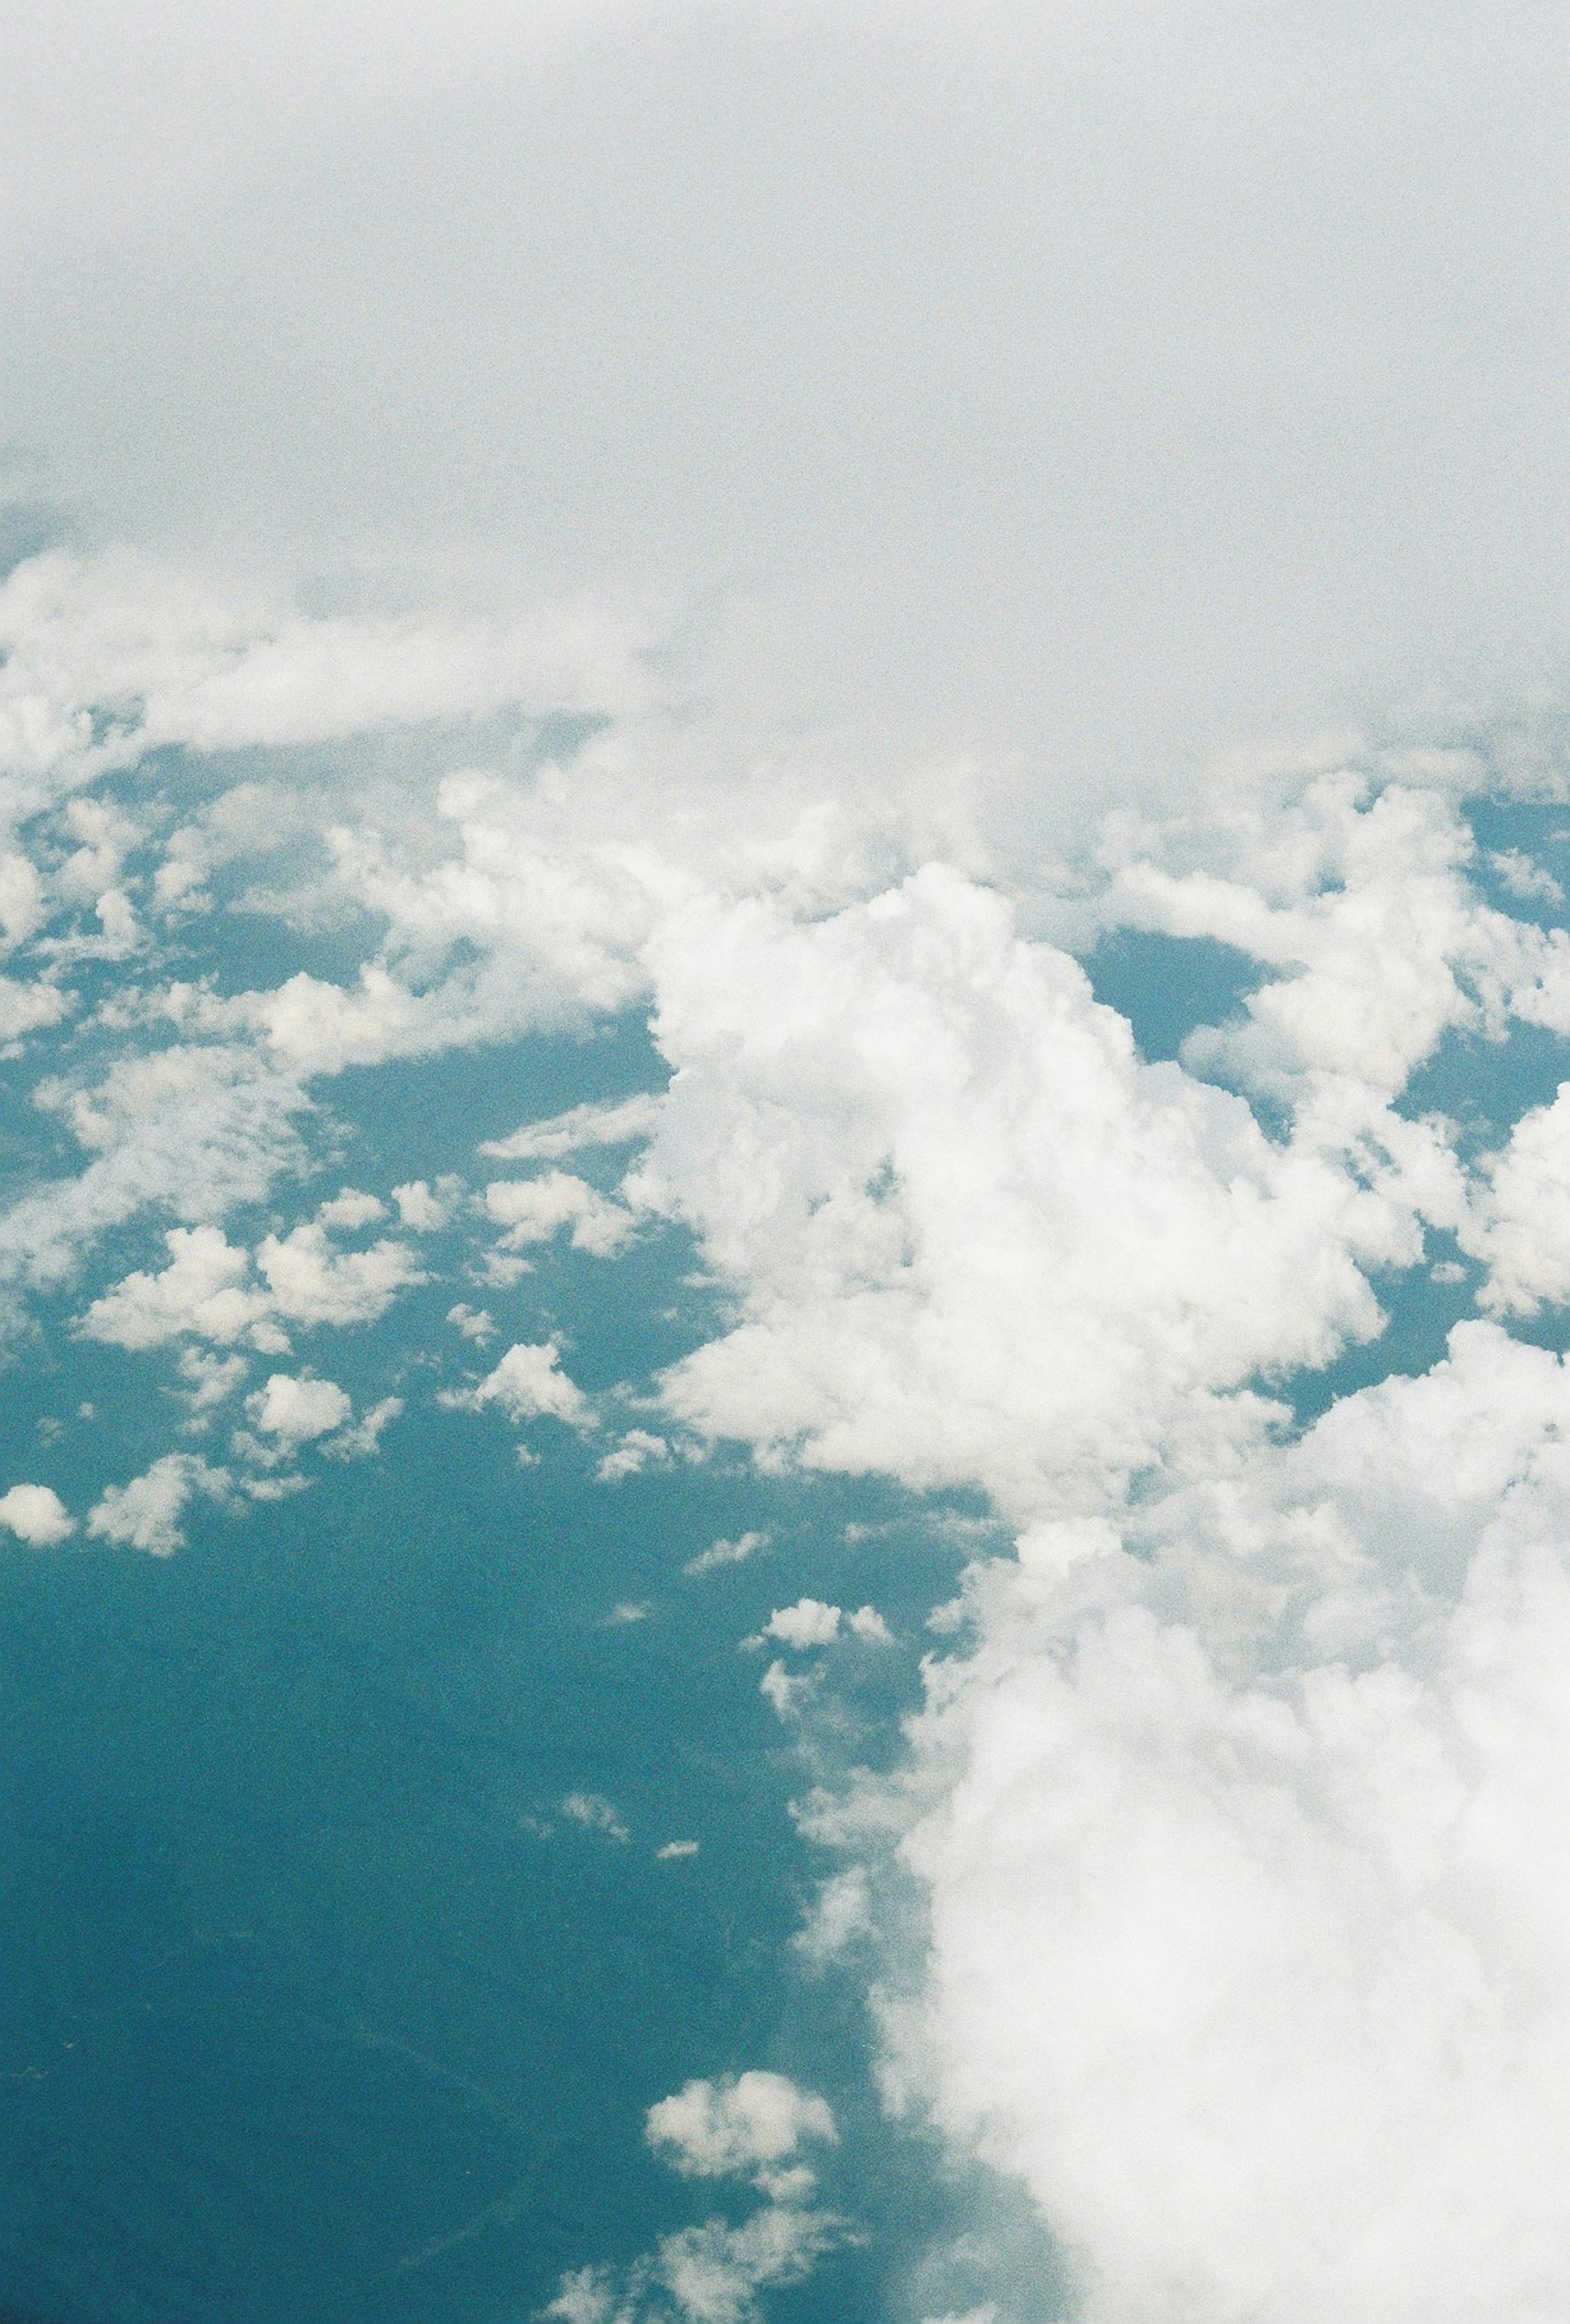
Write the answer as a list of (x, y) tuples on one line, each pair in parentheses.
[(784, 1166)]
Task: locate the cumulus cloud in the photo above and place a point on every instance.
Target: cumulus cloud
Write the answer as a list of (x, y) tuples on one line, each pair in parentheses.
[(811, 1622), (146, 1513), (528, 1383), (738, 2126), (707, 2274), (28, 1007), (202, 1290), (753, 2125), (191, 1130), (294, 1412), (1245, 1861), (36, 1515), (210, 1289), (1519, 1220), (1353, 896), (638, 1451), (974, 1237), (533, 1210), (309, 1283)]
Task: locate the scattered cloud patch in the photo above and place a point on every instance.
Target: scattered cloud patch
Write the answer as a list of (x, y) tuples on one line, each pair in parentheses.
[(637, 1451), (473, 1322), (617, 1123), (811, 1622), (726, 1553), (533, 1210), (295, 1411), (593, 1812), (146, 1513), (738, 2125), (528, 1384), (36, 1515)]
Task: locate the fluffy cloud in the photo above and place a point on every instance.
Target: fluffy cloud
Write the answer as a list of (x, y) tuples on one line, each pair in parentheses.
[(208, 1289), (190, 1130), (528, 1383), (294, 1412), (812, 1623), (146, 1513), (202, 1291), (1354, 897), (309, 1283), (736, 2128), (973, 1237), (36, 1515), (709, 2274), (753, 2126), (1247, 1867), (532, 1209), (1520, 1221)]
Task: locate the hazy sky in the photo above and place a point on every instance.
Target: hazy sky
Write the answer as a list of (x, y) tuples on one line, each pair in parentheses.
[(1090, 382)]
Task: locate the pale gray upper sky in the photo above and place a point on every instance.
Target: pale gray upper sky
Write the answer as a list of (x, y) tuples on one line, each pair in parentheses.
[(1088, 381)]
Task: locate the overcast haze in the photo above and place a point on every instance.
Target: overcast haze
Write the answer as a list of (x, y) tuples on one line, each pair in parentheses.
[(1098, 382)]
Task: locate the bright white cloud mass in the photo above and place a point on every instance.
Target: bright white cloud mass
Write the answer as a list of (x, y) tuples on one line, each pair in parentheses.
[(986, 584)]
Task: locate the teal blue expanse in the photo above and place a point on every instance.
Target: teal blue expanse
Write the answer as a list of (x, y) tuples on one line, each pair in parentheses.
[(317, 2009)]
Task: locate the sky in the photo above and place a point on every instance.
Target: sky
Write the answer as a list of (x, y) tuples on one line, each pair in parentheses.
[(785, 1169)]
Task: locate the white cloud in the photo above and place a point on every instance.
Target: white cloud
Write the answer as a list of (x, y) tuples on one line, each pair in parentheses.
[(473, 1322), (615, 1122), (296, 1411), (21, 898), (213, 1379), (532, 1209), (28, 1007), (36, 1515), (365, 1436), (635, 1453), (811, 1622), (1524, 878), (595, 1813), (191, 1130), (309, 1283), (726, 1553), (1519, 1222), (146, 1513), (528, 1383), (202, 1290), (1354, 898), (972, 1237), (418, 1209), (736, 2127), (351, 1209), (841, 1912), (1247, 1868), (707, 2274), (808, 1623), (209, 1290), (673, 1851)]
